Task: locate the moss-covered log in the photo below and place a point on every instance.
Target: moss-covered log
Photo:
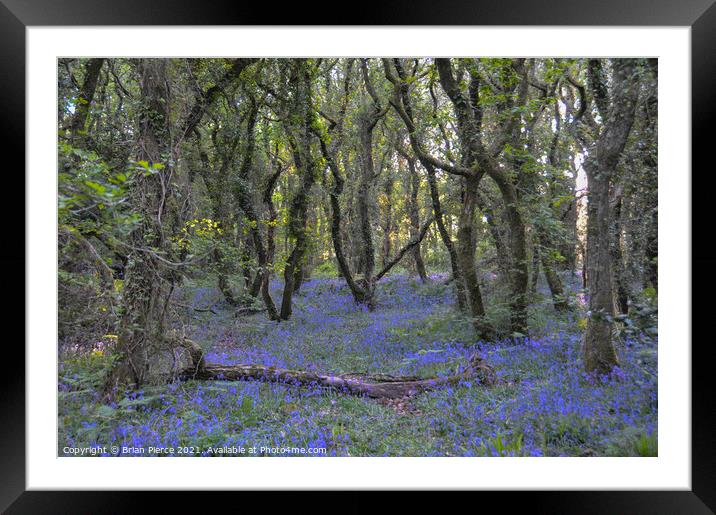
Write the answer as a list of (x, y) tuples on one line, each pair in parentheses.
[(374, 386)]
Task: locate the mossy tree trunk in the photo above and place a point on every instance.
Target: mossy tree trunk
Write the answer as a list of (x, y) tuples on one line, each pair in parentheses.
[(414, 217), (148, 280), (480, 159), (245, 201), (599, 352), (84, 99), (298, 126)]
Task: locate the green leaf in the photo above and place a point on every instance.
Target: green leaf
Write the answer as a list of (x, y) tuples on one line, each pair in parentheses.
[(99, 188), (105, 411)]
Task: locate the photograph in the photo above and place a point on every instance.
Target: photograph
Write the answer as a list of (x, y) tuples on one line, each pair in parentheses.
[(357, 256)]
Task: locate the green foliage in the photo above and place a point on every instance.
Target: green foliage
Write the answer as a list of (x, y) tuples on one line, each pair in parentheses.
[(569, 431), (647, 445), (92, 196), (147, 169), (201, 233), (326, 270), (633, 442), (499, 446), (83, 371), (642, 319), (649, 294)]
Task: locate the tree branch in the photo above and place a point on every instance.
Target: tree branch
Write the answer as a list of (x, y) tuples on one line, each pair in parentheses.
[(207, 97), (412, 243)]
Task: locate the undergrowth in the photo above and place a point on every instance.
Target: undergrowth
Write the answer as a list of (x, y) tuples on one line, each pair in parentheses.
[(543, 406)]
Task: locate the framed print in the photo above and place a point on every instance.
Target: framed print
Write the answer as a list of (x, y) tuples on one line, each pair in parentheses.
[(432, 249)]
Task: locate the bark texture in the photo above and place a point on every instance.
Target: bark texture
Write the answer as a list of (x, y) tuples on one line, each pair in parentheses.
[(599, 353), (246, 203), (414, 216), (556, 287), (84, 99), (147, 287), (299, 135), (466, 255), (479, 159), (377, 386), (148, 353), (215, 177)]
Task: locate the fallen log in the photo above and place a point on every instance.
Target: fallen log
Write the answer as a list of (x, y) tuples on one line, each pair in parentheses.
[(199, 310), (376, 386)]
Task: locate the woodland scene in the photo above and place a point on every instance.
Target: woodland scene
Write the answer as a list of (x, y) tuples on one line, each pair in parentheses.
[(357, 256)]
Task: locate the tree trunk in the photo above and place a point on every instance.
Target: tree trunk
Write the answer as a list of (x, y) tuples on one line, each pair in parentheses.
[(245, 241), (556, 288), (299, 130), (215, 181), (84, 99), (223, 278), (469, 128), (447, 240), (599, 353), (466, 256), (329, 154), (414, 217), (147, 284), (650, 161), (297, 228), (503, 257), (559, 300), (534, 272), (246, 204), (365, 193), (336, 223), (621, 292), (298, 277), (388, 227), (367, 120), (651, 253), (271, 229), (375, 386), (258, 280), (518, 250)]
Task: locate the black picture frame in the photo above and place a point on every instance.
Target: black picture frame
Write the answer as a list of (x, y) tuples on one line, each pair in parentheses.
[(700, 15)]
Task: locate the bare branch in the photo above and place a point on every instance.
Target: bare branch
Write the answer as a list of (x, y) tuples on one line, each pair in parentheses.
[(412, 243)]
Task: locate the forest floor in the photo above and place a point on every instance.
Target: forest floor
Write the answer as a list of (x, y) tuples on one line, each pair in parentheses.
[(543, 406)]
